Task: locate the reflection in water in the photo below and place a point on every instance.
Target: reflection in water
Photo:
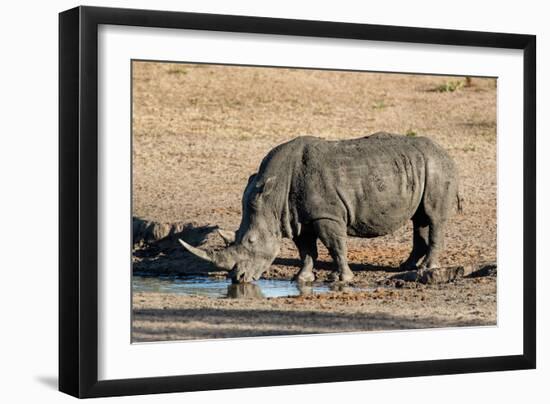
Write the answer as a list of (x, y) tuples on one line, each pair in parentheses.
[(244, 291), (339, 287), (223, 288), (305, 289)]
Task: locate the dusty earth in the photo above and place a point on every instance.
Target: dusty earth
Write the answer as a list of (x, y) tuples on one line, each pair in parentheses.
[(199, 131), (162, 316)]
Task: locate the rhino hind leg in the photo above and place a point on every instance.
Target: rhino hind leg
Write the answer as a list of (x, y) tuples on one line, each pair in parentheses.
[(436, 245), (421, 231), (333, 235), (437, 202), (307, 247)]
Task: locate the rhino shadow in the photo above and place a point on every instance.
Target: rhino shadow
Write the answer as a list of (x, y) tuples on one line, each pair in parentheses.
[(218, 322)]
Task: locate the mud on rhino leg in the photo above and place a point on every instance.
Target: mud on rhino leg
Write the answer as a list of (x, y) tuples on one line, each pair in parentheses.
[(420, 240), (307, 247), (334, 236)]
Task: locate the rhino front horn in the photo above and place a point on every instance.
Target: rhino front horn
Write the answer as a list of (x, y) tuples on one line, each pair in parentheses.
[(196, 251), (227, 236)]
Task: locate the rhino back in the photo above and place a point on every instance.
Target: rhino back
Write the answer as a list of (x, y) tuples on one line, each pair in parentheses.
[(374, 184)]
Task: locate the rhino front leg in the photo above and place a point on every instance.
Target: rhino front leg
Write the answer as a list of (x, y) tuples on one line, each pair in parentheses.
[(307, 247), (334, 235)]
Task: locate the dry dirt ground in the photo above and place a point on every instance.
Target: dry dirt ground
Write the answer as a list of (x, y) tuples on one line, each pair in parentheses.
[(199, 131), (163, 316)]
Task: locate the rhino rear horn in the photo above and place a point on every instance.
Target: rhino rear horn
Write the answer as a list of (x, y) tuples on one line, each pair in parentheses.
[(228, 236), (205, 255)]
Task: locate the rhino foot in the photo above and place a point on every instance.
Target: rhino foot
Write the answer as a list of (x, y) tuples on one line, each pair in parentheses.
[(428, 263), (408, 266), (345, 276), (305, 277)]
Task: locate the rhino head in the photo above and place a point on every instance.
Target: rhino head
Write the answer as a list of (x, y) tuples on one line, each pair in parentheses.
[(250, 250)]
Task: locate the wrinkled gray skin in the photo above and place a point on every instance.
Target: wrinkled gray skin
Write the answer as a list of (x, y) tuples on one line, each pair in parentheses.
[(309, 189)]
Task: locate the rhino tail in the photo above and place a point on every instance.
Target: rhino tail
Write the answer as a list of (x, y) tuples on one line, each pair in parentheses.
[(459, 202)]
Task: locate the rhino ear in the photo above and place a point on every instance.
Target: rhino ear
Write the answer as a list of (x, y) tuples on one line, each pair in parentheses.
[(267, 186), (227, 236)]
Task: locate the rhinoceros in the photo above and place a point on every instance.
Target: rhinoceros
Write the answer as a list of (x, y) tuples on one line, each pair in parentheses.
[(310, 188)]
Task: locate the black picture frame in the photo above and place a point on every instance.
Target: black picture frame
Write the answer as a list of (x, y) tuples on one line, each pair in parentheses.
[(78, 201)]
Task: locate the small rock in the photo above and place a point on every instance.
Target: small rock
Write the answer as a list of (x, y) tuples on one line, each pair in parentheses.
[(409, 276), (441, 275), (484, 270), (399, 283)]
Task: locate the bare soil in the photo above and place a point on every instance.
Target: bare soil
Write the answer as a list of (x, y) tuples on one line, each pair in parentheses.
[(199, 131), (162, 316)]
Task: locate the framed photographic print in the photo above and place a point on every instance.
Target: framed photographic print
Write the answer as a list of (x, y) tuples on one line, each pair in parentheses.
[(250, 201)]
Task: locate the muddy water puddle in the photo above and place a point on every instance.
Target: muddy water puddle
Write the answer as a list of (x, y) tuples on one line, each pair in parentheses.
[(223, 288)]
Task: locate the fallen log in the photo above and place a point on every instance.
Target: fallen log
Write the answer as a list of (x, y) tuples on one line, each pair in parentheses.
[(484, 270), (447, 274)]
